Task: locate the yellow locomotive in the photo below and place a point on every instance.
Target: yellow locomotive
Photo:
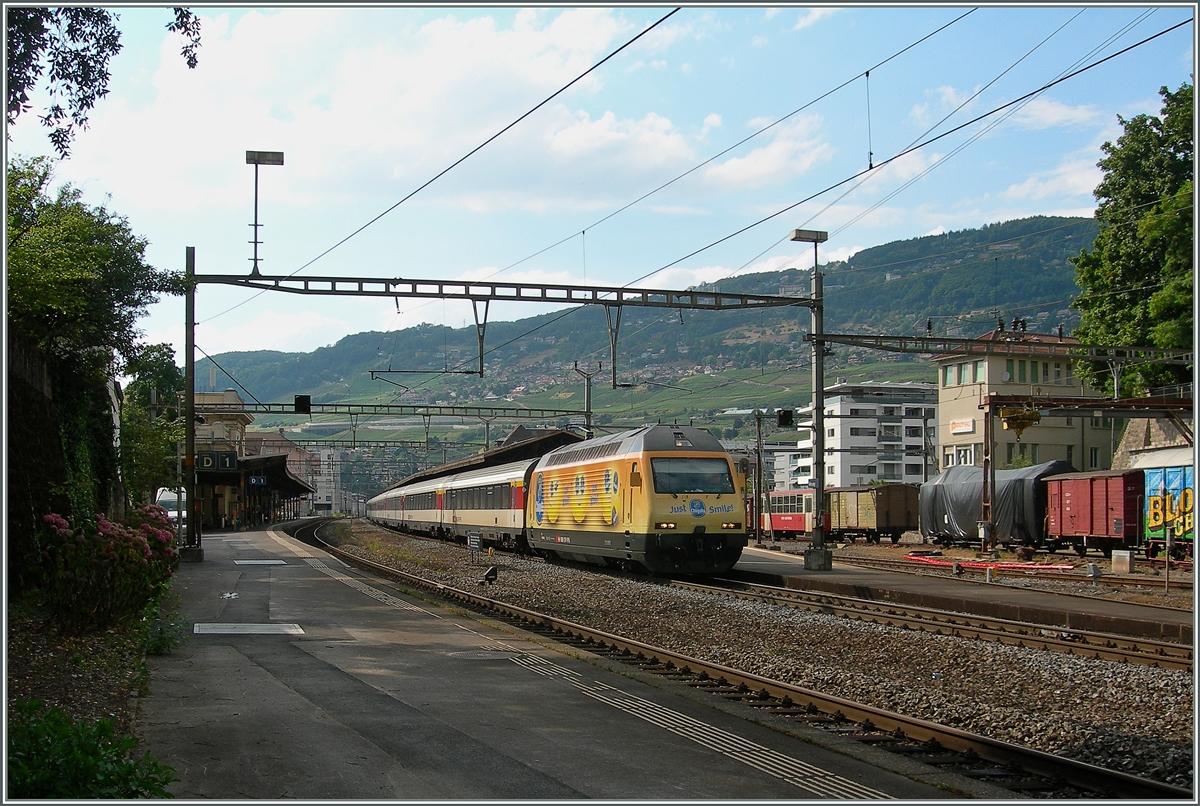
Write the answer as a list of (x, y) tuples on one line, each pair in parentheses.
[(667, 499)]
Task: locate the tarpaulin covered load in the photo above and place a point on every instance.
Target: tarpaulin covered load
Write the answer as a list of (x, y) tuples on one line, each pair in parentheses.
[(952, 503)]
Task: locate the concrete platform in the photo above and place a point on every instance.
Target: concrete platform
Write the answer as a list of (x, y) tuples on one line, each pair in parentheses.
[(967, 596), (310, 680)]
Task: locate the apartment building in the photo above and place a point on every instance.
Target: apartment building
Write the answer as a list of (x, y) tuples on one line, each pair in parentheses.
[(1088, 443), (874, 431)]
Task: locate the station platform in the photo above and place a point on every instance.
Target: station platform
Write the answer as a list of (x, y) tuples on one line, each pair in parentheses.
[(1081, 612)]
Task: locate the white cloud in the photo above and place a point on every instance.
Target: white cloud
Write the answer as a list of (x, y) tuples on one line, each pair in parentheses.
[(940, 101), (433, 93), (677, 277), (770, 13), (270, 330), (1074, 178), (793, 151), (759, 42), (938, 230), (812, 16), (842, 253), (711, 121), (1045, 113)]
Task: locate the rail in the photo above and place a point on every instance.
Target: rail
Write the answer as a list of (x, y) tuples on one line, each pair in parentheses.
[(875, 725)]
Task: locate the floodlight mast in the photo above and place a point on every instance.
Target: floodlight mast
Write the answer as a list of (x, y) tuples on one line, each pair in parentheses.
[(817, 558), (257, 158)]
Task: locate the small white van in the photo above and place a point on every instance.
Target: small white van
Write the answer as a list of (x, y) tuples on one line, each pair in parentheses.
[(169, 500)]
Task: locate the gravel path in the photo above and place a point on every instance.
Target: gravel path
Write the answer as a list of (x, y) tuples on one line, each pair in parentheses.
[(1132, 718)]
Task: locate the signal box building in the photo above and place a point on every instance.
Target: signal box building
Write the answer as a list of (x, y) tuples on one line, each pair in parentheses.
[(1088, 443), (874, 431)]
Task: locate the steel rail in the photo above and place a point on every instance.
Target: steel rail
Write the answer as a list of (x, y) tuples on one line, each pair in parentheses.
[(1083, 643), (1011, 573), (1078, 774)]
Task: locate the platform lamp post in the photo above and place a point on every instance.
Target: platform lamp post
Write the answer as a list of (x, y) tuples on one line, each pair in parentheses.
[(191, 550), (257, 158), (817, 557)]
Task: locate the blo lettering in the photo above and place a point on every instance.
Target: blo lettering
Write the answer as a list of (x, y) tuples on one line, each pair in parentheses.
[(1169, 509)]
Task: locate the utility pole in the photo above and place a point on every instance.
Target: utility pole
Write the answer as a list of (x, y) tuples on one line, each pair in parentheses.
[(587, 396), (759, 497), (191, 551)]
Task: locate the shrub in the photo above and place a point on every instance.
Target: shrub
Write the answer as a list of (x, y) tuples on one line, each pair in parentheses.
[(162, 627), (98, 574), (49, 756)]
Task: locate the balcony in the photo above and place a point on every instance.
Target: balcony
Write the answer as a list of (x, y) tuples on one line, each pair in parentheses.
[(890, 438)]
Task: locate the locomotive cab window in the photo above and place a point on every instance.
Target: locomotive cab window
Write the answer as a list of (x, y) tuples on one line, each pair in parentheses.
[(690, 475)]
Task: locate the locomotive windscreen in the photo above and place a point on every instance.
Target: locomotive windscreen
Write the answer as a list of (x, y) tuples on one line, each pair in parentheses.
[(691, 475)]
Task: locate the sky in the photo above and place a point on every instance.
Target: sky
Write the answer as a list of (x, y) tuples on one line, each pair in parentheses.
[(369, 104)]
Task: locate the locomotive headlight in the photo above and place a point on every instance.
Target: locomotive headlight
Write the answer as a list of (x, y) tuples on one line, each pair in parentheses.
[(731, 526), (664, 525)]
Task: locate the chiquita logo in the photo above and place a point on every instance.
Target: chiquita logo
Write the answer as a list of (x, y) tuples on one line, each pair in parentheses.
[(698, 508)]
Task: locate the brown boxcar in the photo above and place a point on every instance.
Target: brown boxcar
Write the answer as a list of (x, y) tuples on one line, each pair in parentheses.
[(1100, 510), (872, 512)]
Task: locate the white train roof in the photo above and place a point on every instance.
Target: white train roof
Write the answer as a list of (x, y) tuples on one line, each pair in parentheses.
[(500, 474)]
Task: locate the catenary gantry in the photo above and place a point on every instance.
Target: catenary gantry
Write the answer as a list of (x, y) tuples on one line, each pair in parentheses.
[(481, 294)]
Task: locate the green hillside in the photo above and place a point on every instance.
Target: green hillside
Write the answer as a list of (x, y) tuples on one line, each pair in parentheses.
[(710, 361)]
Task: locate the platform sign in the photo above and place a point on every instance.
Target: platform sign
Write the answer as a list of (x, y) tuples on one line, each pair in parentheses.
[(216, 460), (474, 541), (257, 481)]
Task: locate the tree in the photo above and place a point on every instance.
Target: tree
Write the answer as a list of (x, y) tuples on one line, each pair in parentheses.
[(77, 276), (1137, 280), (149, 430), (77, 283), (77, 45)]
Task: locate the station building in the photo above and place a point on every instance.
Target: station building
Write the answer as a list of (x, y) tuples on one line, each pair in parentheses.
[(1088, 443), (235, 487)]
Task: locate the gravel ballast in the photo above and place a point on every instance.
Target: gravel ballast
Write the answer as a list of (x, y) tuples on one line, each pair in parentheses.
[(1136, 719)]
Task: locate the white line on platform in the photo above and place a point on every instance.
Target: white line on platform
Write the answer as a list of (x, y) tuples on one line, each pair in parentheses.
[(234, 628)]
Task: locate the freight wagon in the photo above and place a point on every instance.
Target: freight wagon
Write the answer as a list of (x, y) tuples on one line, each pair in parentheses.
[(1170, 508), (1095, 510), (1128, 510), (870, 512)]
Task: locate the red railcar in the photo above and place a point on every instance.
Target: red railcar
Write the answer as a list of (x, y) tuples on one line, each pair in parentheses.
[(1100, 510)]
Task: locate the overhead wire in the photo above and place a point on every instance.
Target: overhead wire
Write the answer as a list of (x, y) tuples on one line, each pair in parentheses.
[(909, 150), (470, 153), (725, 151), (720, 154)]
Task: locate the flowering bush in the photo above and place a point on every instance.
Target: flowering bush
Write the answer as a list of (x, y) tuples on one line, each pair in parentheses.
[(99, 573)]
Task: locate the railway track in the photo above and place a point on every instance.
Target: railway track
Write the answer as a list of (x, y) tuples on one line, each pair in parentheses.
[(1030, 773), (1105, 646), (909, 566)]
